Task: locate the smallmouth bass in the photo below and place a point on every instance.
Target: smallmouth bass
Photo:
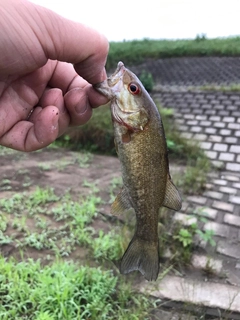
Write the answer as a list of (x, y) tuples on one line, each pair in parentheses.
[(141, 147)]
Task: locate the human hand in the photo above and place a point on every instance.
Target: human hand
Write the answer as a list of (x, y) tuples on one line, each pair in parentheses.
[(40, 92)]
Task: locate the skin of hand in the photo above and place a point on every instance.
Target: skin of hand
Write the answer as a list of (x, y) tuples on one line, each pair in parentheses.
[(47, 67)]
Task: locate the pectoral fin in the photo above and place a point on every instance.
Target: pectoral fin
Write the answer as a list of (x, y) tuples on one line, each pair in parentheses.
[(172, 198), (121, 203)]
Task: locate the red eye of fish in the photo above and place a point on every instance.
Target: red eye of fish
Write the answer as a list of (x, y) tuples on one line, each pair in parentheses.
[(133, 88)]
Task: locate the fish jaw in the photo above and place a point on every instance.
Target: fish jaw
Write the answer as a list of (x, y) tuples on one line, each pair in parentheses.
[(111, 87)]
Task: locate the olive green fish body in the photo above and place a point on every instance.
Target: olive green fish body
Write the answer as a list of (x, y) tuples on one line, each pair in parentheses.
[(141, 147)]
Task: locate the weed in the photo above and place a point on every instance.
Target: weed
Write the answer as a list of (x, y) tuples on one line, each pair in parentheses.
[(64, 290), (194, 178), (91, 185), (136, 51), (115, 183), (107, 245), (44, 166), (180, 237), (232, 87), (147, 80)]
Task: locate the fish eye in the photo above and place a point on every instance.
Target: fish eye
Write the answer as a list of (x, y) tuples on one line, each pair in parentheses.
[(133, 88)]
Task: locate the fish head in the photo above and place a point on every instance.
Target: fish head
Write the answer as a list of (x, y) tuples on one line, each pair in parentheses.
[(128, 98)]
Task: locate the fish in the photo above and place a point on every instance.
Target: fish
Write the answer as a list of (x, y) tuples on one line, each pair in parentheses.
[(142, 150)]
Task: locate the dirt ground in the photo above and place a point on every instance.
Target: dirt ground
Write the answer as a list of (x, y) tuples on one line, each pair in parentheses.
[(64, 171)]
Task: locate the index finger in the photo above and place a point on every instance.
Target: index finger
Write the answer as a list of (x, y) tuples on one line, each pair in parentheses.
[(74, 42)]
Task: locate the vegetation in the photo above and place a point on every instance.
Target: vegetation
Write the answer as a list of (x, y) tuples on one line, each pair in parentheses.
[(180, 238), (232, 87), (64, 290), (136, 51)]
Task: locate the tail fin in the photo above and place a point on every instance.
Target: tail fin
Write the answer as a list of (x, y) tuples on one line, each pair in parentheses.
[(141, 255)]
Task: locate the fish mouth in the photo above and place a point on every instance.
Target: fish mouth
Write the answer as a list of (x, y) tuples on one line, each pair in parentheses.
[(117, 75), (113, 84)]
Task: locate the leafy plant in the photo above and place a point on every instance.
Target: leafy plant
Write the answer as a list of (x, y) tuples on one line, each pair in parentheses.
[(65, 290), (147, 80)]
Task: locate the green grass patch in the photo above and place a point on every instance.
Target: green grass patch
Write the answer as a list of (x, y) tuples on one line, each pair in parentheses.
[(232, 87), (136, 51), (65, 291), (29, 220)]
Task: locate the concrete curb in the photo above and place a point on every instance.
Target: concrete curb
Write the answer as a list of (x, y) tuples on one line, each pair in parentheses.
[(190, 291)]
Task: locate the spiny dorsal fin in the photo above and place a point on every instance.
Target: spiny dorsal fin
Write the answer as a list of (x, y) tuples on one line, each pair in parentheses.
[(172, 198), (121, 203)]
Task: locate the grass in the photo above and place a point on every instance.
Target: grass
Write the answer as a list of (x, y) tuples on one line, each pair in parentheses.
[(65, 291), (53, 288), (136, 51), (232, 87)]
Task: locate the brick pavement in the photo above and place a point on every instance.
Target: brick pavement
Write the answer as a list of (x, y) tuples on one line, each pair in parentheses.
[(213, 119)]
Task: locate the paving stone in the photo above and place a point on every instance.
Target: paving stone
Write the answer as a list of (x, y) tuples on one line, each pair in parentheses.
[(202, 262), (231, 140), (210, 294), (226, 156), (187, 135), (211, 154), (179, 121), (200, 137), (205, 123), (206, 212), (220, 147), (219, 124), (233, 167), (228, 119), (201, 117), (218, 164), (221, 182), (210, 130), (228, 190), (236, 185), (196, 129), (223, 206), (230, 177), (192, 122), (210, 112), (228, 249), (237, 133), (235, 148), (188, 116), (225, 132), (185, 219), (234, 199), (235, 126), (206, 145), (213, 194), (183, 128), (215, 118), (232, 219), (220, 230), (214, 138), (224, 113), (197, 199)]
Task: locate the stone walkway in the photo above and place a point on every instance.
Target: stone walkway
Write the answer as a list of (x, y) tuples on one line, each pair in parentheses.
[(213, 119)]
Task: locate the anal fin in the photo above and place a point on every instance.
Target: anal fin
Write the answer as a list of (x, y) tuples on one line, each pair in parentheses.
[(172, 198)]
